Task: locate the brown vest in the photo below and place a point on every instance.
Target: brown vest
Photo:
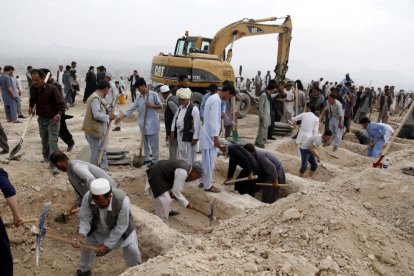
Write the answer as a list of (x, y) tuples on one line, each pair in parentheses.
[(90, 125)]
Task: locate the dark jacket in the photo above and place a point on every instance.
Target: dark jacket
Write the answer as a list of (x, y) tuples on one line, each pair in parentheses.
[(48, 100), (169, 114), (161, 175)]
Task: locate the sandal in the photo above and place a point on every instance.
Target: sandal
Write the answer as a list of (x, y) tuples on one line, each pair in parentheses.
[(201, 185), (213, 190)]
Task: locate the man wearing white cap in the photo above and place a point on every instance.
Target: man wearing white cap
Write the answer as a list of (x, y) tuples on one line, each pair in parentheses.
[(105, 220), (186, 127), (169, 176), (170, 110)]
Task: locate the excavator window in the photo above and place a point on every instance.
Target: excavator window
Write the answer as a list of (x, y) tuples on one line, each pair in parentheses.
[(184, 45)]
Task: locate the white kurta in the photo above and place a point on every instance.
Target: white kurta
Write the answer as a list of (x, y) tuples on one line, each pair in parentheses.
[(187, 151), (308, 127), (210, 129)]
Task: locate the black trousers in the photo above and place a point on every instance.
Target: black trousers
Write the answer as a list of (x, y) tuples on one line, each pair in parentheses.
[(133, 93), (64, 133), (87, 94), (6, 260), (271, 128), (3, 139), (245, 187)]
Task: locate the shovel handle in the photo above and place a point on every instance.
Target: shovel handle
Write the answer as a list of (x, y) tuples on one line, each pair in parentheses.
[(54, 236), (231, 181), (272, 185), (32, 220)]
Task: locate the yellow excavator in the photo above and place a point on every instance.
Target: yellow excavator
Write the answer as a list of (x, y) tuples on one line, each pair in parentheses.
[(205, 61)]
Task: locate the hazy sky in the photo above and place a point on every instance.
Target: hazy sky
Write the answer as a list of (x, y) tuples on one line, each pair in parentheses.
[(328, 36)]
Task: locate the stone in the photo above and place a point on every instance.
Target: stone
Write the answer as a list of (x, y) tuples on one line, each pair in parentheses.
[(379, 268), (36, 188), (16, 261), (329, 265), (371, 257), (367, 205), (291, 213), (225, 242), (274, 236), (250, 267), (287, 267)]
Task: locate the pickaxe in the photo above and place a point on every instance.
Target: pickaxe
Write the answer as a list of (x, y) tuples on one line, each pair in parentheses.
[(41, 232), (211, 215)]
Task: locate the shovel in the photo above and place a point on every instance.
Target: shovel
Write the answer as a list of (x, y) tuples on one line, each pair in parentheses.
[(18, 147), (138, 161)]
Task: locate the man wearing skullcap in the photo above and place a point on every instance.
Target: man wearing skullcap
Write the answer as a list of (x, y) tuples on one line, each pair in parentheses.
[(186, 127), (171, 108), (169, 176), (151, 126), (106, 221)]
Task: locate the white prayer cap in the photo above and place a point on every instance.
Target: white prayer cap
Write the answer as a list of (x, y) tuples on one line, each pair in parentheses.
[(184, 93), (164, 89), (100, 186)]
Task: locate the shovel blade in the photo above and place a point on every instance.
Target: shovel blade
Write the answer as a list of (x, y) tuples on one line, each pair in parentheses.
[(16, 149), (138, 161)]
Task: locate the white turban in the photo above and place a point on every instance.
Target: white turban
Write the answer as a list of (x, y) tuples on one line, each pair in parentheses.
[(184, 93)]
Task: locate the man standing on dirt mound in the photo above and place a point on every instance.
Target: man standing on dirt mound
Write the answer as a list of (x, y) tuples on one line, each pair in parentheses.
[(147, 105), (50, 107), (106, 220), (95, 123), (209, 137)]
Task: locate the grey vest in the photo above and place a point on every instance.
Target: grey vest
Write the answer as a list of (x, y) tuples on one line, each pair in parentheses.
[(112, 216), (79, 185)]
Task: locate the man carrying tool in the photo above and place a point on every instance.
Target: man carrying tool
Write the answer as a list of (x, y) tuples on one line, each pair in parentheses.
[(105, 219), (335, 116), (80, 174), (309, 125), (238, 156), (50, 107), (147, 102), (376, 133), (209, 137), (95, 123), (171, 108), (169, 176), (272, 172), (186, 126), (6, 260), (309, 154)]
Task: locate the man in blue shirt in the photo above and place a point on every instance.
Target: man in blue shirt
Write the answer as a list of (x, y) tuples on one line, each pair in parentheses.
[(9, 95), (376, 133), (147, 100)]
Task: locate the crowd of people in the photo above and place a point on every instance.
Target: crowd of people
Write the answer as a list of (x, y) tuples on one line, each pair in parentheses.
[(105, 217)]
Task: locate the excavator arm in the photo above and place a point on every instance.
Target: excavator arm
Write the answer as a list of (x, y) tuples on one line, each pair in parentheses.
[(251, 27)]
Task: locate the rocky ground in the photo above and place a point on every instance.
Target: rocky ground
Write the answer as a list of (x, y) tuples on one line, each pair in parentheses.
[(349, 219)]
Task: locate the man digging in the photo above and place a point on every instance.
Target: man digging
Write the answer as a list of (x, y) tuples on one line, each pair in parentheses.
[(309, 154), (80, 174), (105, 219)]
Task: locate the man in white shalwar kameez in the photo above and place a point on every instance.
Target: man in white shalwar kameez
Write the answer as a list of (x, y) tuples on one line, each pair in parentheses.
[(186, 127), (209, 137)]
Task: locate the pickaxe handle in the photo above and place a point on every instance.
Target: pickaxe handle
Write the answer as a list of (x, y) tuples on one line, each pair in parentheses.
[(231, 181), (54, 236), (23, 221), (272, 185)]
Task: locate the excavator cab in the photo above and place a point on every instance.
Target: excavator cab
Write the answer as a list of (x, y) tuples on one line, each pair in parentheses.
[(192, 44)]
